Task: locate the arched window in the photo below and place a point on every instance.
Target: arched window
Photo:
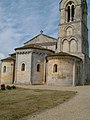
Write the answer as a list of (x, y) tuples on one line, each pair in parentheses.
[(73, 46), (73, 12), (68, 16), (4, 69), (70, 11), (55, 68), (69, 31), (65, 46), (23, 67), (38, 67)]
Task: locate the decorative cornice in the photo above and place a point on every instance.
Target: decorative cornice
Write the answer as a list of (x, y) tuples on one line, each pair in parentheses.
[(63, 55), (70, 58), (24, 52)]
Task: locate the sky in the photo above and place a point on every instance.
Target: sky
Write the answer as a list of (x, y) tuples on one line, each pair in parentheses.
[(21, 20)]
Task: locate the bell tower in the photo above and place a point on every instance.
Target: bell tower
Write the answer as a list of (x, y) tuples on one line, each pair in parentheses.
[(72, 30)]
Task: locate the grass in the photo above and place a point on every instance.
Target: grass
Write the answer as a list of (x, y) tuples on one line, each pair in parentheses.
[(18, 103)]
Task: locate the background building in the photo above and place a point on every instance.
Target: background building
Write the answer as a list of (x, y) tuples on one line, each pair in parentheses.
[(47, 60)]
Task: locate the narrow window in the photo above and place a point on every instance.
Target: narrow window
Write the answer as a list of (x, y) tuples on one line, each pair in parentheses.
[(56, 45), (68, 13), (4, 69), (23, 67), (72, 12), (38, 67), (55, 68)]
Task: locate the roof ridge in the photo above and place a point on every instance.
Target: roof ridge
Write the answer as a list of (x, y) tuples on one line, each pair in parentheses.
[(39, 35), (63, 54), (8, 58), (32, 47)]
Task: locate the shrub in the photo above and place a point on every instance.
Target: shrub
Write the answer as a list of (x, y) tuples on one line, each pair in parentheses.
[(2, 86), (13, 87), (8, 87)]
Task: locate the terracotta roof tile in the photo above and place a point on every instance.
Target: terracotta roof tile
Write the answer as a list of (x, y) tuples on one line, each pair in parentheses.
[(63, 54), (32, 46), (8, 59)]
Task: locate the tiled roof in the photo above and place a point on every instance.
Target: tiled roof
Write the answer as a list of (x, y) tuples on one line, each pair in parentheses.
[(13, 54), (8, 59), (32, 46), (63, 54)]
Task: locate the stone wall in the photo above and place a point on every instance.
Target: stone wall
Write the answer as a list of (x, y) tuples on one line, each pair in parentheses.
[(87, 65), (63, 4), (43, 41), (76, 29), (23, 77), (68, 72), (7, 77), (75, 35), (31, 58), (38, 59)]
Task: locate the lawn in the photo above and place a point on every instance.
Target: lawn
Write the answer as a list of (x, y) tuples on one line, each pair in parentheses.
[(18, 103)]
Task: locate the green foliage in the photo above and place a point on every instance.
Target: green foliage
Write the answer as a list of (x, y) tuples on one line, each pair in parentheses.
[(2, 86), (13, 87), (8, 87)]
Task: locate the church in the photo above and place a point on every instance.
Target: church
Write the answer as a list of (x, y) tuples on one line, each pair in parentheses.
[(53, 61)]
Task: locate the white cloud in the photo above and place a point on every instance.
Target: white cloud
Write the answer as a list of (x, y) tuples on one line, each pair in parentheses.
[(21, 20), (1, 56)]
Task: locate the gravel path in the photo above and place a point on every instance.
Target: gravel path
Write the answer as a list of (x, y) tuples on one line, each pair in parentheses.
[(78, 108)]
